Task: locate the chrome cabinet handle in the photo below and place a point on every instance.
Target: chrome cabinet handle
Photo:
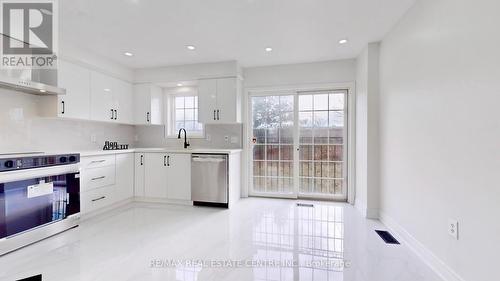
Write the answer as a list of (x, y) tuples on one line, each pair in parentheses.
[(218, 114), (168, 161), (164, 160), (63, 107), (112, 114), (214, 115), (147, 117), (116, 114), (142, 160), (98, 178), (100, 198)]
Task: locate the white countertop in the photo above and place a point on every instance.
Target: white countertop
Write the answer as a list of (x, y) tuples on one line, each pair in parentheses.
[(159, 150)]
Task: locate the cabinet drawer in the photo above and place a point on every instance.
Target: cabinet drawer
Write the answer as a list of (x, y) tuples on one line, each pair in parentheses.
[(97, 177), (97, 161), (93, 200)]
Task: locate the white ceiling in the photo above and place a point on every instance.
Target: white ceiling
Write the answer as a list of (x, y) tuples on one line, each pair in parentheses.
[(157, 31)]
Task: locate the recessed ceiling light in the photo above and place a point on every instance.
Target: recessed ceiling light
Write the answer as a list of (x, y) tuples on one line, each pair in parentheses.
[(42, 91), (179, 84), (269, 49), (107, 90), (128, 54), (190, 47), (342, 41)]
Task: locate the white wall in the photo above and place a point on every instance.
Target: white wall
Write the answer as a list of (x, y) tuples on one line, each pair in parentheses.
[(367, 146), (440, 132), (187, 72), (338, 71), (77, 54)]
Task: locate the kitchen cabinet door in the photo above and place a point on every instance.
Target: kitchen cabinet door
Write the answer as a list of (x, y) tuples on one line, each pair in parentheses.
[(142, 104), (179, 176), (148, 105), (124, 188), (155, 176), (102, 101), (123, 100), (139, 174), (156, 105), (76, 80), (227, 100), (207, 101)]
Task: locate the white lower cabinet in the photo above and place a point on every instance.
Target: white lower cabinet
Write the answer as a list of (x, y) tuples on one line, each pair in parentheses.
[(156, 175), (163, 176), (139, 174), (179, 176), (124, 188), (105, 180)]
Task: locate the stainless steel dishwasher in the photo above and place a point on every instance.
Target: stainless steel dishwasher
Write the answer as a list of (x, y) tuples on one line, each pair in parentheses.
[(209, 180)]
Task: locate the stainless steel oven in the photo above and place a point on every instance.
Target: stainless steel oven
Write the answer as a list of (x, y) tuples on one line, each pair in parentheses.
[(39, 197)]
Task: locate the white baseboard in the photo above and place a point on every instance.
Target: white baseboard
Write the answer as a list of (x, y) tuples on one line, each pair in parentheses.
[(372, 213), (163, 201), (105, 209), (367, 212), (435, 263)]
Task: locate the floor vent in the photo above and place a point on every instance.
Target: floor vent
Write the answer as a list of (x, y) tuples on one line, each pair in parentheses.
[(387, 237), (305, 205)]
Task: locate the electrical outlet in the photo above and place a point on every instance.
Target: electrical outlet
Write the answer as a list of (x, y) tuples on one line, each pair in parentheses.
[(226, 138), (453, 228), (93, 138)]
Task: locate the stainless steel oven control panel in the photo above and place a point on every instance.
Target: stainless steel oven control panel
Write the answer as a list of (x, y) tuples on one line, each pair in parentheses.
[(38, 161)]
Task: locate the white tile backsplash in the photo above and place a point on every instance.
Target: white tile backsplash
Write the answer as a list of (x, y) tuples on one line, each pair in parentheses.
[(153, 136), (21, 129)]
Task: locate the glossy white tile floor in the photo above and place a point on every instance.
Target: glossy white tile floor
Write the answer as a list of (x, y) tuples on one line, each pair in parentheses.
[(329, 242)]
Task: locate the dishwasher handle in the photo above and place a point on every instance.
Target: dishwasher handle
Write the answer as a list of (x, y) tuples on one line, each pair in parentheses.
[(209, 160)]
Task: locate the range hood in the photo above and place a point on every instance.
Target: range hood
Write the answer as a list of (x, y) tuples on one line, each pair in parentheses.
[(31, 81), (29, 86)]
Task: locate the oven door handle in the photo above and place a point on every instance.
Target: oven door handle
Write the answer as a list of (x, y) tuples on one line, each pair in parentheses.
[(27, 174)]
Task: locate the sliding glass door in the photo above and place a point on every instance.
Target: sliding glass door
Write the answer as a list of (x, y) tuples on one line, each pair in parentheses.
[(298, 145), (273, 145)]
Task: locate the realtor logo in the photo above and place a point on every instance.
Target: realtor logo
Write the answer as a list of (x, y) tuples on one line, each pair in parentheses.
[(28, 34)]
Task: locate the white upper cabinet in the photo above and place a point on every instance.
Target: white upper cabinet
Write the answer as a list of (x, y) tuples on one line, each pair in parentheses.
[(148, 105), (76, 80), (219, 100), (110, 99), (124, 102)]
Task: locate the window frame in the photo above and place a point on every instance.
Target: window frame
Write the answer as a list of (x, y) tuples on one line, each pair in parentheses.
[(170, 120)]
